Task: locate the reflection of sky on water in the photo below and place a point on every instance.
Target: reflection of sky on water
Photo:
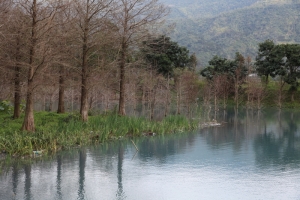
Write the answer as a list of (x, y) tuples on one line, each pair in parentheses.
[(253, 156)]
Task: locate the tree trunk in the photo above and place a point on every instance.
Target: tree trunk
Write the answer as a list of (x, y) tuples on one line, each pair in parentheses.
[(50, 103), (215, 101), (280, 95), (143, 99), (153, 101), (84, 98), (84, 92), (122, 79), (168, 98), (179, 96), (236, 95), (293, 96), (28, 124), (17, 98), (224, 104), (267, 79), (61, 103)]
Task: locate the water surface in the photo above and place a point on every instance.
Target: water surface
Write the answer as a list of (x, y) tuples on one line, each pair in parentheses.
[(254, 155)]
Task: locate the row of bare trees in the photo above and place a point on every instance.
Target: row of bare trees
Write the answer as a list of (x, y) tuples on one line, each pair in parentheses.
[(86, 53), (41, 39)]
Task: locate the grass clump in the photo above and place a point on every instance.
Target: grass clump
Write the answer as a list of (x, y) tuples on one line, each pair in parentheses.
[(63, 131)]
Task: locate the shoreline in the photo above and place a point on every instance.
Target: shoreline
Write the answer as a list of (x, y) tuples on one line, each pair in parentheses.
[(56, 132)]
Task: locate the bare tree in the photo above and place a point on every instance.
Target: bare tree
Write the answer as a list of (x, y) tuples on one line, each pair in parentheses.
[(280, 93), (41, 15), (239, 77), (63, 45), (90, 22), (255, 93), (134, 18), (5, 6), (15, 49), (207, 96), (191, 89), (179, 88)]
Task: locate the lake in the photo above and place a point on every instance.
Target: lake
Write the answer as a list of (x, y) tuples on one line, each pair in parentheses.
[(253, 155)]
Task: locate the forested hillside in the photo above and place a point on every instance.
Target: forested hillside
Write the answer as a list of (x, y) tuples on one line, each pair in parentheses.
[(224, 27)]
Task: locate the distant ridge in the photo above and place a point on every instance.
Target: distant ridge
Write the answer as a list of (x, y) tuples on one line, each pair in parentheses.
[(228, 26)]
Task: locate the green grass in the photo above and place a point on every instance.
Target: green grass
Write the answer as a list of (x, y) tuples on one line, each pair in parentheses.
[(63, 131)]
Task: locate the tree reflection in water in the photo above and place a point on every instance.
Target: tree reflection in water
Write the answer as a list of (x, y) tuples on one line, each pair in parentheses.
[(120, 193), (280, 148), (15, 179), (58, 178), (82, 161), (276, 140), (248, 139), (27, 190)]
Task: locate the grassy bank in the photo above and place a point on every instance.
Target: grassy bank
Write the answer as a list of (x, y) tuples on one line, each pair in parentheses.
[(63, 131)]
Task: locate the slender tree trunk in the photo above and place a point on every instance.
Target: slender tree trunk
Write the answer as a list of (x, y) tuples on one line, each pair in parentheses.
[(28, 123), (236, 94), (267, 79), (224, 104), (280, 95), (50, 103), (153, 101), (17, 99), (293, 96), (179, 97), (215, 101), (84, 92), (84, 98), (152, 96), (168, 98), (122, 79), (61, 93), (143, 99), (44, 106)]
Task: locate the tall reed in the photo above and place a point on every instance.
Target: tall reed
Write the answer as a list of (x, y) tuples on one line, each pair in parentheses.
[(55, 132)]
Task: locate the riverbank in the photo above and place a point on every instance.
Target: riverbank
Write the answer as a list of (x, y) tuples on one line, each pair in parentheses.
[(55, 132)]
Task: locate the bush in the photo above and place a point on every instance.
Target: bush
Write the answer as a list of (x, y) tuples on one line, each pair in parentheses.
[(5, 106)]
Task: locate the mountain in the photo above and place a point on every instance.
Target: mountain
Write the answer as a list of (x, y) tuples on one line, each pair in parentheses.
[(206, 8), (224, 27)]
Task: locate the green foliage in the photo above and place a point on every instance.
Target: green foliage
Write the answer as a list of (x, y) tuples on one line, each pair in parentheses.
[(291, 63), (265, 65), (279, 60), (5, 106), (217, 65), (222, 66), (165, 55)]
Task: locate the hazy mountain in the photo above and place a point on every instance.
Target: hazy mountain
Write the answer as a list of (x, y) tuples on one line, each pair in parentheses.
[(223, 27), (206, 8)]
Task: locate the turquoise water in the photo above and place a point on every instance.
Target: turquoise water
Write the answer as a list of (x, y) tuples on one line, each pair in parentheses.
[(251, 156)]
